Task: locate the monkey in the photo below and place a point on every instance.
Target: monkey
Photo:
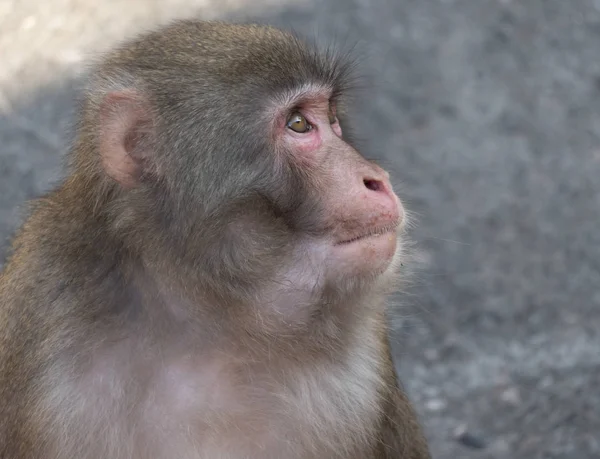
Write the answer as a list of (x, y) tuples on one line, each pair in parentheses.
[(209, 279)]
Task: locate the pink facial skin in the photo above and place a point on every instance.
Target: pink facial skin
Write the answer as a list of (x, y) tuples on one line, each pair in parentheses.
[(363, 211)]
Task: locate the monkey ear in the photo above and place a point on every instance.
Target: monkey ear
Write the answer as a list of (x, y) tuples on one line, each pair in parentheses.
[(125, 135)]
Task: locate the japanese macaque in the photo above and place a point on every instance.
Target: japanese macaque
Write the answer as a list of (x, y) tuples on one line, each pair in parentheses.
[(209, 281)]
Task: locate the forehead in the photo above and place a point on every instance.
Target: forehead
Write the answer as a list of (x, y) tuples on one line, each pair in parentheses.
[(242, 56)]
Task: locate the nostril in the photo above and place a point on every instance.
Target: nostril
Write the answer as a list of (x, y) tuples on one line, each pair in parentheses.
[(373, 185)]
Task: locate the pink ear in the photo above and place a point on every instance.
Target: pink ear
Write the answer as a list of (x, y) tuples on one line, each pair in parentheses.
[(124, 131)]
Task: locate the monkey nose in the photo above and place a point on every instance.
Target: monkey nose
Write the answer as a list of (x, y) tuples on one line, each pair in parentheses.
[(379, 188), (382, 198)]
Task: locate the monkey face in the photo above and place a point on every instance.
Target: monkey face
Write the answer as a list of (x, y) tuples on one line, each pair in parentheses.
[(358, 214)]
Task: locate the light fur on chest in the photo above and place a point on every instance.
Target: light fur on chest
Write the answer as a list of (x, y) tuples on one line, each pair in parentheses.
[(211, 407)]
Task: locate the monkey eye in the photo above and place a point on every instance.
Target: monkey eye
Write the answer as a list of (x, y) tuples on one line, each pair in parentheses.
[(331, 115), (298, 123)]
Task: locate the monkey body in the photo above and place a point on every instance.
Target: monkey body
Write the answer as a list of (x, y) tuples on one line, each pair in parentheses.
[(113, 381), (148, 311)]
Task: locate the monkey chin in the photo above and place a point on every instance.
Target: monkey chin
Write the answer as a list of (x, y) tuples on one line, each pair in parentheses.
[(368, 256)]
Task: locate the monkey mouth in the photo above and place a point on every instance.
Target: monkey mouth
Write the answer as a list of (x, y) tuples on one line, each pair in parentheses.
[(371, 234)]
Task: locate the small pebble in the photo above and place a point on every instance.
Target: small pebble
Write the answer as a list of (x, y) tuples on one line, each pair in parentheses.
[(466, 438), (432, 354), (511, 396), (435, 404)]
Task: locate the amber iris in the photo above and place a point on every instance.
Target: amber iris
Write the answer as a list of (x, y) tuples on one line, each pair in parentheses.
[(298, 123)]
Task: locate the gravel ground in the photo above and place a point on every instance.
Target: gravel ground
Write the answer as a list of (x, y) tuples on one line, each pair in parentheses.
[(488, 114)]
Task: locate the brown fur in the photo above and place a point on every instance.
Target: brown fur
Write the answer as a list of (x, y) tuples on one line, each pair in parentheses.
[(169, 300)]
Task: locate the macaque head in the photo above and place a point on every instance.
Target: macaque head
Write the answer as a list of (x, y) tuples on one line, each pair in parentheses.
[(229, 153)]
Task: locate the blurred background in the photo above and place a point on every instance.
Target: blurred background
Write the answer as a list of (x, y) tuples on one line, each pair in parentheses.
[(487, 112)]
